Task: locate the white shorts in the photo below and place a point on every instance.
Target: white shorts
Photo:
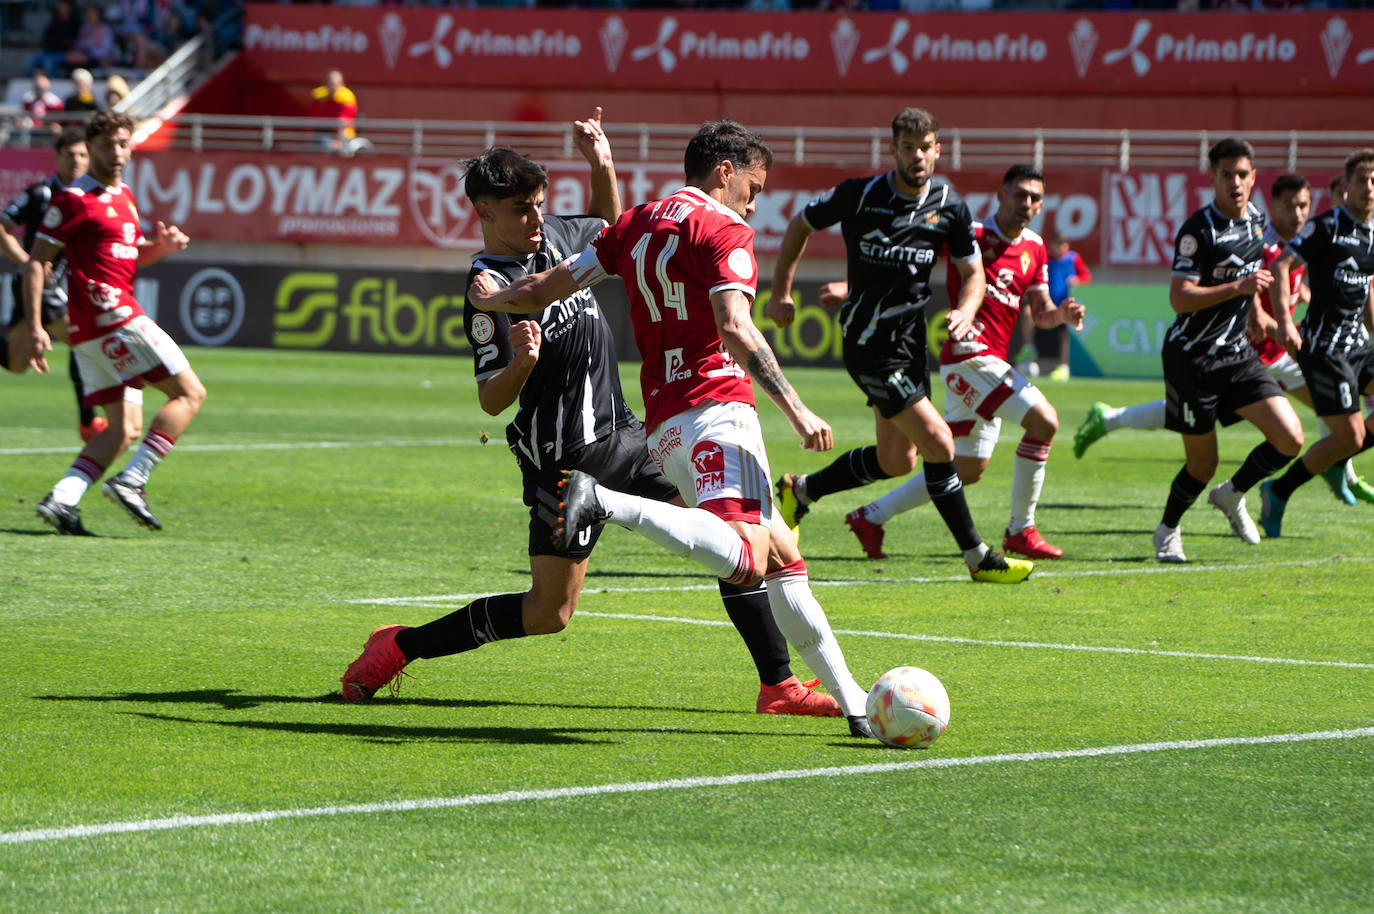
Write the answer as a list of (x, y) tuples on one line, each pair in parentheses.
[(979, 393), (136, 354), (714, 455), (1287, 372)]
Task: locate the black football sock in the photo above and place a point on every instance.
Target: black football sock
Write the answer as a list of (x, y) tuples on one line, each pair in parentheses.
[(494, 618), (1265, 460), (748, 608), (1184, 490), (87, 412), (850, 470), (947, 493), (1288, 483)]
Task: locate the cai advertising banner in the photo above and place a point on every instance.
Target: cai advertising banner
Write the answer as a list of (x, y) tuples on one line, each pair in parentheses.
[(1330, 52)]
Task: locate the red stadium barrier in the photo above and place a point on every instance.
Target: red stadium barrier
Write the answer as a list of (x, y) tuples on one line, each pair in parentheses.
[(1218, 71)]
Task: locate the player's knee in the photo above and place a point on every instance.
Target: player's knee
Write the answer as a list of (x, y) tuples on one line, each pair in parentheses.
[(897, 463), (1042, 425), (547, 617), (969, 474)]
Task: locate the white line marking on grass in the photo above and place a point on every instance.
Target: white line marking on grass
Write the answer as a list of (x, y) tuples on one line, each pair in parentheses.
[(1039, 645), (462, 598), (29, 836), (272, 446)]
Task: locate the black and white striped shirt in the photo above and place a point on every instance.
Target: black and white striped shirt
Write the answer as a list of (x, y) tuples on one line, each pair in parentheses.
[(1212, 249), (573, 396)]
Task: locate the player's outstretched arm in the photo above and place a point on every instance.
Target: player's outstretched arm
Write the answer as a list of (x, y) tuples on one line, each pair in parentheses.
[(168, 239), (1046, 315), (31, 354), (1285, 333), (523, 295), (595, 147), (747, 346), (780, 309)]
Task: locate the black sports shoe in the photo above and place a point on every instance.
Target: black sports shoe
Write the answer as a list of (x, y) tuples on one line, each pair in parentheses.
[(132, 499), (858, 726), (66, 518), (577, 508)]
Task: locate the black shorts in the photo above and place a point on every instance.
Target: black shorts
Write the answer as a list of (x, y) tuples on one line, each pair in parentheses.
[(1049, 344), (619, 461), (1337, 381), (51, 312), (1198, 394), (894, 372)]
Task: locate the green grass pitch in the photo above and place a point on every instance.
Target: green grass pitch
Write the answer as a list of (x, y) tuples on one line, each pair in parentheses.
[(1126, 737)]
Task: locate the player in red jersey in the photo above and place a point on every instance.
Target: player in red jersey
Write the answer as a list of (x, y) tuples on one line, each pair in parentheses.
[(116, 345), (688, 265), (981, 386)]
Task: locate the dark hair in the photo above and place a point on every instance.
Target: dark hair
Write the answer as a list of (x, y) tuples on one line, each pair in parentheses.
[(500, 173), (1022, 172), (914, 120), (1230, 148), (69, 137), (105, 123), (1337, 181), (1356, 159), (721, 141), (1289, 183)]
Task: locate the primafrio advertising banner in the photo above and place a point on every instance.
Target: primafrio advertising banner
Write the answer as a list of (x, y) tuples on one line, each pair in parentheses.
[(1328, 52)]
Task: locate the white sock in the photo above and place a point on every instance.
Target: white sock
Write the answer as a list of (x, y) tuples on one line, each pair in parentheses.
[(974, 557), (686, 532), (908, 495), (1143, 415), (156, 445), (803, 623), (1028, 478), (1351, 477), (81, 476)]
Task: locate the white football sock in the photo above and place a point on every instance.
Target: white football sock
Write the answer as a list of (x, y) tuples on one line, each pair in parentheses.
[(803, 623), (156, 445), (80, 476), (1028, 478), (908, 495), (1143, 415), (686, 532)]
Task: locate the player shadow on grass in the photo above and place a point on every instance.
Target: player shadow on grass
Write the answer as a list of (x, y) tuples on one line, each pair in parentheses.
[(231, 700), (388, 734)]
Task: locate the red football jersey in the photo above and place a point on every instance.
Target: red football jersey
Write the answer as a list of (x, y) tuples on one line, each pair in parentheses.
[(1011, 269), (1269, 351), (672, 255), (98, 227)]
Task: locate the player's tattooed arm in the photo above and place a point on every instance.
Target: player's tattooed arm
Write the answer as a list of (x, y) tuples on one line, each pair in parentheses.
[(744, 342)]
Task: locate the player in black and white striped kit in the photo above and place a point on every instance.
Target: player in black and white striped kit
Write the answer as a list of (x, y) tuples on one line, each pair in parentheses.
[(23, 214), (560, 364), (1211, 372), (1334, 348)]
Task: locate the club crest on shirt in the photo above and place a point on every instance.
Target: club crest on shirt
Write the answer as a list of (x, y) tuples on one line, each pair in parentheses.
[(1187, 245), (932, 218)]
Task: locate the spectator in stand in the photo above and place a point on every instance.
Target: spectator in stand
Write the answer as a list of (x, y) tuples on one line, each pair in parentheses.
[(95, 42), (116, 90), (40, 101), (83, 99), (335, 101), (58, 40)]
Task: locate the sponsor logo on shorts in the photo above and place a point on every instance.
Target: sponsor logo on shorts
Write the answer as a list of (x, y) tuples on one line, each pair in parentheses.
[(708, 463)]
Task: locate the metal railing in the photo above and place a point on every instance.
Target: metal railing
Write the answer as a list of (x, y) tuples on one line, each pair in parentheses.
[(972, 149)]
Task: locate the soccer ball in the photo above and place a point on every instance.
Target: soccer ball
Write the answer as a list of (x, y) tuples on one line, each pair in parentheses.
[(908, 708)]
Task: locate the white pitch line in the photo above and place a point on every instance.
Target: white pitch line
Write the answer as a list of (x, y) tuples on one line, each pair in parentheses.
[(592, 587), (29, 836), (272, 446), (1038, 645)]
